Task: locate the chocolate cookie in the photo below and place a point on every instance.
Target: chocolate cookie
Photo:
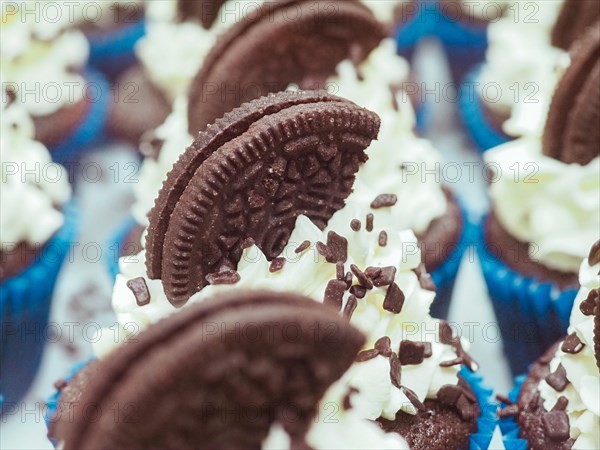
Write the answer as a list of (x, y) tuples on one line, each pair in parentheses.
[(575, 16), (572, 133), (250, 175), (216, 375), (284, 42), (205, 11)]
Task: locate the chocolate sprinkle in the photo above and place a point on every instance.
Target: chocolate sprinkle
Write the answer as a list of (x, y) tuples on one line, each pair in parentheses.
[(509, 411), (370, 219), (588, 306), (337, 248), (556, 424), (558, 379), (561, 404), (572, 344), (302, 247), (594, 256), (373, 272), (359, 291), (395, 370), (386, 276), (140, 290), (223, 277), (465, 408), (504, 399), (247, 243), (411, 352), (453, 362), (449, 394), (355, 225), (348, 280), (384, 201), (447, 334), (350, 307), (276, 265), (334, 293), (366, 355), (383, 238), (394, 299), (384, 346), (339, 271), (322, 249), (361, 277), (412, 397), (346, 401)]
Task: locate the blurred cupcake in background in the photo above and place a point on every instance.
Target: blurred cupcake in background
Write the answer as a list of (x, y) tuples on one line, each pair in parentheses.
[(546, 213), (557, 404), (509, 94), (37, 225), (112, 28), (44, 69)]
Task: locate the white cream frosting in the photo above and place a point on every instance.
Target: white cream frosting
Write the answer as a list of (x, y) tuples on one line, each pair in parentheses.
[(583, 392), (542, 200), (41, 60), (32, 185), (518, 79), (384, 9)]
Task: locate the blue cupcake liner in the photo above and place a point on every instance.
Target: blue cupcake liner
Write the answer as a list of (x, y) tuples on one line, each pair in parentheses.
[(112, 52), (90, 129), (445, 275), (457, 34), (473, 117), (24, 309), (532, 315), (510, 428), (419, 26), (115, 244)]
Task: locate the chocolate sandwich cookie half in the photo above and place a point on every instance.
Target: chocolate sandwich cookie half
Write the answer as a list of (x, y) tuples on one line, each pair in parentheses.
[(193, 381), (250, 175)]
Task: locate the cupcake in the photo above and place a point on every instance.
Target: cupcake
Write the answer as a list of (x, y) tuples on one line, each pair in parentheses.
[(546, 214), (397, 166), (43, 68), (112, 29), (557, 405), (36, 228), (508, 96), (259, 211)]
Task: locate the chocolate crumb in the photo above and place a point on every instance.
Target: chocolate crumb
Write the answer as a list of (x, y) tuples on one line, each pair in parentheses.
[(247, 243), (302, 247), (428, 350), (504, 399), (355, 225), (359, 291), (394, 299), (334, 293), (395, 370), (589, 305), (337, 248), (276, 265), (413, 398), (449, 394), (348, 280), (447, 334), (373, 272), (361, 277), (594, 256), (59, 385), (386, 276), (322, 249), (556, 424), (561, 404), (558, 379), (509, 411), (453, 362), (339, 271), (383, 238), (465, 408), (350, 307), (140, 290), (366, 355), (572, 344), (223, 277), (411, 352), (370, 219), (384, 346), (384, 201)]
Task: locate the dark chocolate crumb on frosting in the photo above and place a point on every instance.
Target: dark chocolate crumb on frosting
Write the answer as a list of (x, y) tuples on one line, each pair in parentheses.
[(572, 344), (140, 290), (394, 299), (384, 201), (558, 379)]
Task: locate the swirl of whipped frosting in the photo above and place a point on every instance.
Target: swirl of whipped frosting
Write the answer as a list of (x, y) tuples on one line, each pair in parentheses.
[(541, 200), (583, 390), (518, 80), (40, 61), (32, 185)]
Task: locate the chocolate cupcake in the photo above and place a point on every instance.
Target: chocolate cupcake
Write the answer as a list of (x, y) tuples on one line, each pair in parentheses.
[(509, 95), (262, 201), (546, 213), (43, 68), (36, 228), (558, 404)]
